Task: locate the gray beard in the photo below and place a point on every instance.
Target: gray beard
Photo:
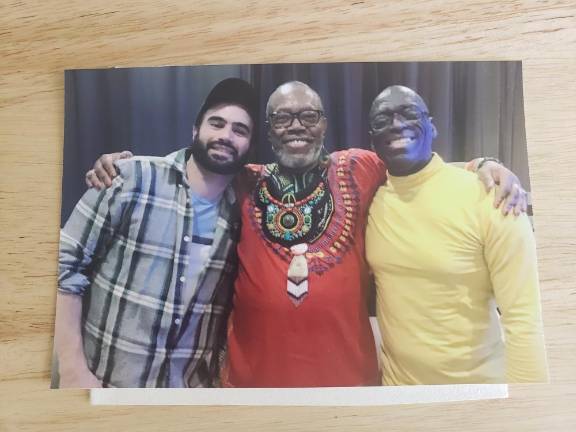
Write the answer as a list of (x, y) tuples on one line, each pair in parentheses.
[(298, 162)]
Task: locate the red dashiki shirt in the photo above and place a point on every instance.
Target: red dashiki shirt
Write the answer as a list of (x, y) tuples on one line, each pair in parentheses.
[(327, 340)]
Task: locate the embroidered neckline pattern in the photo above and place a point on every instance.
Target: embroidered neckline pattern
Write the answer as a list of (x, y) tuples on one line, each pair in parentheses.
[(290, 217), (337, 236)]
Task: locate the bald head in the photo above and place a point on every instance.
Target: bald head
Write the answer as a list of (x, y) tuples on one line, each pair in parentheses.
[(291, 90), (398, 95)]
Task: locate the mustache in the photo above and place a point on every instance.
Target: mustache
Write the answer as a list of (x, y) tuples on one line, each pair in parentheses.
[(221, 143), (395, 130)]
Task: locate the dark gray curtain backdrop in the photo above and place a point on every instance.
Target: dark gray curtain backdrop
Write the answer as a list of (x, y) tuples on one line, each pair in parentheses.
[(477, 108)]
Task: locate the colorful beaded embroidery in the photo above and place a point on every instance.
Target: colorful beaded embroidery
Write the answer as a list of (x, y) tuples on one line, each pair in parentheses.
[(290, 221), (337, 236)]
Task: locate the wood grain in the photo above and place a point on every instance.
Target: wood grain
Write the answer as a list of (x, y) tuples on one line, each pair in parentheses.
[(38, 40)]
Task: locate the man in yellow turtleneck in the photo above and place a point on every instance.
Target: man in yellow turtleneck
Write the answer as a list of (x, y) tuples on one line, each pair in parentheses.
[(444, 258)]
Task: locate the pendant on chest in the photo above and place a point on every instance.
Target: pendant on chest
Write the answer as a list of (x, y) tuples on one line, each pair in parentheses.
[(289, 220)]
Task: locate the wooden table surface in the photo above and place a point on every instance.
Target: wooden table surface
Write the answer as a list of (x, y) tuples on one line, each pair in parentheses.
[(38, 40)]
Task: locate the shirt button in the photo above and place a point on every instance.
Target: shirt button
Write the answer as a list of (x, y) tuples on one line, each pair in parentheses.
[(186, 238), (177, 321), (182, 278)]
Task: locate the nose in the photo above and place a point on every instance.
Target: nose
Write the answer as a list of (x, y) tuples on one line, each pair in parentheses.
[(296, 125), (397, 120), (226, 133)]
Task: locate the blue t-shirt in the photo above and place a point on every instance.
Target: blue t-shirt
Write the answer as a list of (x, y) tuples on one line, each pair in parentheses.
[(204, 221), (201, 237)]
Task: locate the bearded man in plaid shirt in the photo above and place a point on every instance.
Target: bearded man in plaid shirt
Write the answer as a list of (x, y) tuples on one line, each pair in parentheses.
[(147, 265)]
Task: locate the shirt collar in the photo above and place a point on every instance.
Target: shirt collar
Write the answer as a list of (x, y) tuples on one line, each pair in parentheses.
[(418, 178), (178, 161)]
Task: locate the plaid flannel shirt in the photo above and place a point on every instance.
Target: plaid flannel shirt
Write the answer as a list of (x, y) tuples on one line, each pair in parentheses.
[(125, 250)]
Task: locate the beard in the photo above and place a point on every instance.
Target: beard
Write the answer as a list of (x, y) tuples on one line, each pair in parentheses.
[(199, 150), (297, 161)]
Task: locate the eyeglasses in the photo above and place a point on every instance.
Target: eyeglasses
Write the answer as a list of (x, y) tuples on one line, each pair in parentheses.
[(383, 120), (283, 119)]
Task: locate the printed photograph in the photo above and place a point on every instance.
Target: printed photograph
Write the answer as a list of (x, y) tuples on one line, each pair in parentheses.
[(297, 226)]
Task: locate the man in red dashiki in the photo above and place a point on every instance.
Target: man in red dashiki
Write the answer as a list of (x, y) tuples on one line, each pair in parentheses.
[(321, 337)]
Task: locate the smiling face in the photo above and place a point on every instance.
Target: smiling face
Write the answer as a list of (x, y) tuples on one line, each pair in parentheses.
[(221, 143), (401, 129), (296, 125)]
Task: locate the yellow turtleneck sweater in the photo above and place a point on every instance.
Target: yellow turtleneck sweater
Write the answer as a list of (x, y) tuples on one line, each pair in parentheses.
[(444, 258)]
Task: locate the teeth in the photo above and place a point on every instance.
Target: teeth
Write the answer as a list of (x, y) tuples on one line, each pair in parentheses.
[(404, 140), (223, 149)]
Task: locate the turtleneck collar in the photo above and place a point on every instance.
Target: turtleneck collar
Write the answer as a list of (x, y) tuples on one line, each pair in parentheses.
[(418, 178)]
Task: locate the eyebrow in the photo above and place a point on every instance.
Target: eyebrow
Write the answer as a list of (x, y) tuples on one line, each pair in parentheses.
[(309, 107), (237, 124), (402, 107)]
